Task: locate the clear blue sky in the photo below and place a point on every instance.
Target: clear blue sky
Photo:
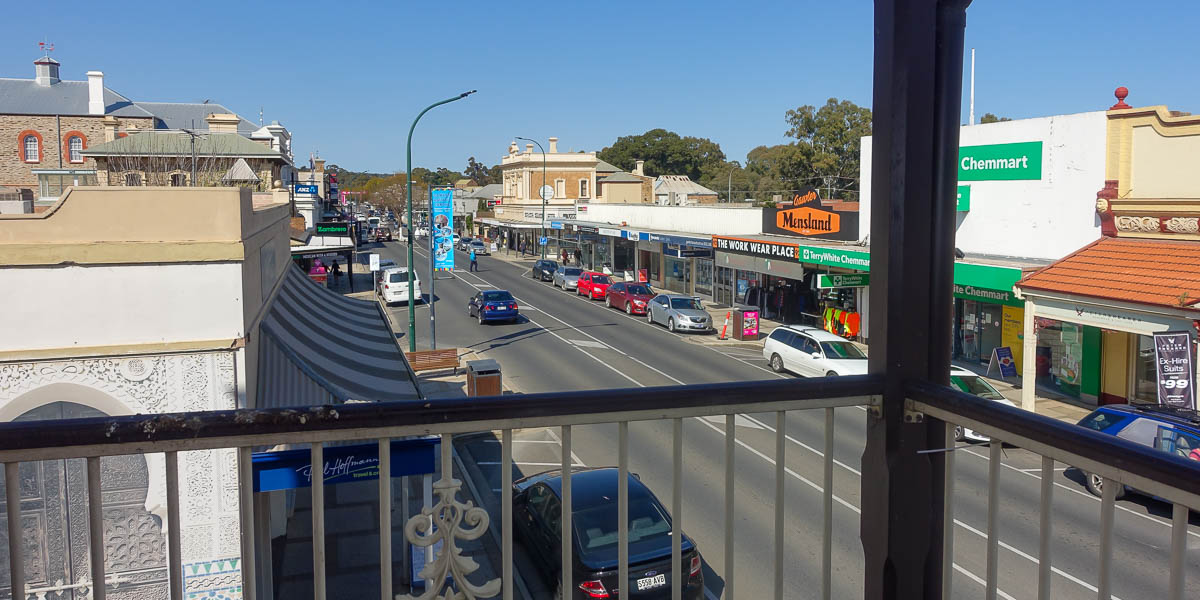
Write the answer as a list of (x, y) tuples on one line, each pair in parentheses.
[(347, 77)]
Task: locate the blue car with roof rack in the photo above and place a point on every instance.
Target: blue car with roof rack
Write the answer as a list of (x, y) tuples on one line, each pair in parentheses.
[(1165, 428)]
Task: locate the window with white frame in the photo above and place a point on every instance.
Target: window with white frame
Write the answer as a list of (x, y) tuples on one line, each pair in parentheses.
[(31, 149), (75, 149), (560, 188), (583, 188)]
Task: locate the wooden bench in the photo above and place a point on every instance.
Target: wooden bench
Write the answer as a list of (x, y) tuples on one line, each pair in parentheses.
[(430, 360)]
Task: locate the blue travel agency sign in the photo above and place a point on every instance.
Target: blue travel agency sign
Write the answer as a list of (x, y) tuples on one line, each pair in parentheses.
[(291, 469)]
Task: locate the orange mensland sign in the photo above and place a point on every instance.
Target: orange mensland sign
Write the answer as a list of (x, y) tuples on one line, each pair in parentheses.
[(808, 221)]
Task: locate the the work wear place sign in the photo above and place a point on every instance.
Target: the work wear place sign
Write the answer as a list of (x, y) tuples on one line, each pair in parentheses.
[(1000, 162)]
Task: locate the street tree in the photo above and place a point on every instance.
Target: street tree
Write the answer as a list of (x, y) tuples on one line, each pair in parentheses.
[(991, 118), (665, 153), (828, 140), (477, 172)]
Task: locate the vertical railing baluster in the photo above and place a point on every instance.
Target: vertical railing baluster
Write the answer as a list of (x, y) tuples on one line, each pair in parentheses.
[(1179, 533), (246, 513), (1108, 500), (317, 479), (12, 498), (623, 509), (385, 519), (730, 425), (993, 520), (567, 573), (1045, 560), (96, 528), (677, 581), (174, 528), (827, 534), (780, 452), (506, 521), (948, 514)]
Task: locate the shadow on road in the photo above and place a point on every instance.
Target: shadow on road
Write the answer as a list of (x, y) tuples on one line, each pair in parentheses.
[(1153, 506)]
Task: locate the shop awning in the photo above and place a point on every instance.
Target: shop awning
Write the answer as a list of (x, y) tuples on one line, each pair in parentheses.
[(319, 347), (514, 224), (1154, 272)]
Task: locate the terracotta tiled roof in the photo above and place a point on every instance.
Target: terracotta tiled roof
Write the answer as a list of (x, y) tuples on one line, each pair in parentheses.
[(1158, 272)]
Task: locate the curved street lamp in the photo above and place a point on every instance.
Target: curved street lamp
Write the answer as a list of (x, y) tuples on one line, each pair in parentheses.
[(412, 308), (544, 184)]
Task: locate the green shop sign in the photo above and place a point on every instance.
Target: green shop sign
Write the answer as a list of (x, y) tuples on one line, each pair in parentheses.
[(963, 202), (1000, 162), (843, 280), (986, 283), (338, 229), (834, 257)]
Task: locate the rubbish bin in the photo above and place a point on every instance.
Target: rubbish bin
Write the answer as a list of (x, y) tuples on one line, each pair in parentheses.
[(745, 323), (483, 378)]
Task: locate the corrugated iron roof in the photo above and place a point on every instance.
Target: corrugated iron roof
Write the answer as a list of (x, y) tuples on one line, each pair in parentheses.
[(1157, 272), (26, 97), (189, 115), (162, 143)]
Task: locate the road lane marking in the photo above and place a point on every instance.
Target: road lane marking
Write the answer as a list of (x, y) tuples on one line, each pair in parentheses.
[(496, 463), (574, 457), (591, 344)]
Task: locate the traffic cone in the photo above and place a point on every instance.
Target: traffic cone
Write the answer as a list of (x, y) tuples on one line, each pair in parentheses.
[(725, 327)]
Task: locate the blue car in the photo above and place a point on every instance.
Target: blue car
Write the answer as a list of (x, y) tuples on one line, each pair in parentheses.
[(493, 305), (1165, 428)]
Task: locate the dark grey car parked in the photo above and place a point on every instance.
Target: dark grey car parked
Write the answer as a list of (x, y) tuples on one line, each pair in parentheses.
[(543, 270)]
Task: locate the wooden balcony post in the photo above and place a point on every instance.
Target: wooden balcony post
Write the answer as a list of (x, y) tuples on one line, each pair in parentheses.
[(917, 108)]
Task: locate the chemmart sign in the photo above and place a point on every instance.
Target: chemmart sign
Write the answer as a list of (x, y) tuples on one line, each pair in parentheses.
[(835, 257), (1000, 162), (843, 280)]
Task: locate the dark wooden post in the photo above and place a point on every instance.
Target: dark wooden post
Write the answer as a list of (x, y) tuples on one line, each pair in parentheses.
[(916, 114)]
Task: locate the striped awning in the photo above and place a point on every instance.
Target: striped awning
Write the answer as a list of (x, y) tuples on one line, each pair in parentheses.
[(319, 347)]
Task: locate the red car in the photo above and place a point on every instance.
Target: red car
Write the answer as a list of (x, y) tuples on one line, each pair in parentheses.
[(629, 296), (593, 285)]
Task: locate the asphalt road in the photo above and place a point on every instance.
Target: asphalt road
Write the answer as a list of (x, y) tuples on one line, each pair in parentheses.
[(564, 342)]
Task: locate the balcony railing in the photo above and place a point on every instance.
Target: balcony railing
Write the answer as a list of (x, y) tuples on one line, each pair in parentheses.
[(1117, 461)]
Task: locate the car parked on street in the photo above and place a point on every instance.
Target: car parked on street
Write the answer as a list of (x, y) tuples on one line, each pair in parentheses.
[(493, 305), (480, 248), (629, 296), (972, 383), (537, 513), (813, 352), (393, 285), (567, 278), (457, 241), (1165, 428), (543, 270), (678, 312), (592, 284)]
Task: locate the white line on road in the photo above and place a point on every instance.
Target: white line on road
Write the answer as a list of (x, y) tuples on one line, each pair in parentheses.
[(493, 463)]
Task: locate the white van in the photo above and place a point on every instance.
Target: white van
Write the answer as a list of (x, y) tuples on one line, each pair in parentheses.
[(393, 286)]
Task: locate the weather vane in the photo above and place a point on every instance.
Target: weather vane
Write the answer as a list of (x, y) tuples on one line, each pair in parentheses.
[(46, 47)]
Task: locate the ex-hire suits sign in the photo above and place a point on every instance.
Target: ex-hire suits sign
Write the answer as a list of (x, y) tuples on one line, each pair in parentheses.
[(1175, 368), (805, 217)]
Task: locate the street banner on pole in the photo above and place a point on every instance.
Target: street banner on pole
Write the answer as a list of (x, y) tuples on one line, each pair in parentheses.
[(1175, 368), (442, 204)]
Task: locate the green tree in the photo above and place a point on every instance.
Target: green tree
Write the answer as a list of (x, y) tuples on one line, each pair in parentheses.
[(477, 172), (665, 153), (828, 140), (991, 118)]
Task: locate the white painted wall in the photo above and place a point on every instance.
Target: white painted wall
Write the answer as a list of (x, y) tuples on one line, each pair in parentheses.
[(81, 306), (1045, 219), (706, 220)]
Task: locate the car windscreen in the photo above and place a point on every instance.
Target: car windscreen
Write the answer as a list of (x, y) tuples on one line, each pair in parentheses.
[(573, 272), (596, 527), (549, 264), (601, 279), (497, 297), (975, 386), (686, 304), (639, 290), (1101, 420), (842, 350)]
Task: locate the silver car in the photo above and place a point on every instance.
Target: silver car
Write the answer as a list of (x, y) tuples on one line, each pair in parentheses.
[(679, 313), (479, 247), (567, 278)]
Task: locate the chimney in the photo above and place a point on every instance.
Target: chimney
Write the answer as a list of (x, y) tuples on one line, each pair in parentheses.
[(528, 148), (553, 145), (95, 92), (222, 122), (637, 168), (46, 70), (110, 128), (319, 164)]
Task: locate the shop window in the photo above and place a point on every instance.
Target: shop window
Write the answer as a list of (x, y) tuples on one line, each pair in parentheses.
[(1060, 355), (1145, 386)]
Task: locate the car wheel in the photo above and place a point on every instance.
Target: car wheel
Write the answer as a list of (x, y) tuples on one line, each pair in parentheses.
[(1095, 485), (958, 433), (629, 308), (776, 363), (607, 302), (649, 316), (481, 318), (831, 373), (671, 324)]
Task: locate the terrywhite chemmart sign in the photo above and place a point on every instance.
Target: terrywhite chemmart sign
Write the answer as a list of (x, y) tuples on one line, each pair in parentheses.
[(834, 257), (1000, 162)]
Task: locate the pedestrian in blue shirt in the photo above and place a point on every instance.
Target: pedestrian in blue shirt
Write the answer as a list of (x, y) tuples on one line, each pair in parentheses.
[(474, 263)]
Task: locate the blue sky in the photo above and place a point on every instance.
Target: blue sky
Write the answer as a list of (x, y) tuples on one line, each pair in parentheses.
[(347, 78)]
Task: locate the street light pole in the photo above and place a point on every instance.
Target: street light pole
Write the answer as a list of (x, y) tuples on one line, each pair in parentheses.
[(412, 309), (544, 184)]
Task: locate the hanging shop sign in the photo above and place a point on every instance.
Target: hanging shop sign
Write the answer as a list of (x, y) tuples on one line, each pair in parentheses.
[(679, 251), (1174, 365), (610, 232), (835, 257), (1000, 162), (811, 221), (333, 229), (291, 469), (962, 202), (843, 280), (757, 248), (586, 229), (556, 225)]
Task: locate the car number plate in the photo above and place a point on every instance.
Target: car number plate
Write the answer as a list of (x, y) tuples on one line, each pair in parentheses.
[(646, 583)]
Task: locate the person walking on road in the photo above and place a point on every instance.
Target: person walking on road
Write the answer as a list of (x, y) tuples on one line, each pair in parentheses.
[(474, 263)]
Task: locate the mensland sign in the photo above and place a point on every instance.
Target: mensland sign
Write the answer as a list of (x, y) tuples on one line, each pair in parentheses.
[(1000, 162), (811, 221), (755, 248)]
